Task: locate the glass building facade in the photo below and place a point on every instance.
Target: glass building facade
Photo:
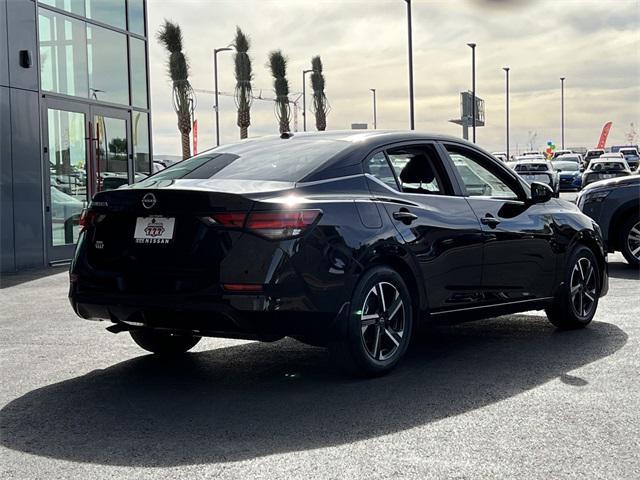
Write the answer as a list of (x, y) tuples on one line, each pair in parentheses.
[(86, 62)]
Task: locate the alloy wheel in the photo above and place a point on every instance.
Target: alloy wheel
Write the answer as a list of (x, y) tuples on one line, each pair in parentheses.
[(383, 321), (583, 287), (633, 241)]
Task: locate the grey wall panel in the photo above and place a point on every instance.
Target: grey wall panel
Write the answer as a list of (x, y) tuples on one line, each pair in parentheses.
[(7, 252), (27, 178), (4, 61), (21, 27)]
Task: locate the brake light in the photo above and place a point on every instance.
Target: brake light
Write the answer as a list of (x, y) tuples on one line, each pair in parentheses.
[(87, 218), (230, 219), (279, 225)]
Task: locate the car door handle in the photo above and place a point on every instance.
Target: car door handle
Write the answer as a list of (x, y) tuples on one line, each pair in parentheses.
[(404, 216), (490, 221)]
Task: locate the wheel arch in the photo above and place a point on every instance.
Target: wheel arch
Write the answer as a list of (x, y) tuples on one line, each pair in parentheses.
[(621, 215), (411, 276), (593, 241)]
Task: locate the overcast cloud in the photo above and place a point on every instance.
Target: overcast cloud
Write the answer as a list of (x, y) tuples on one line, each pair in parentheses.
[(363, 44)]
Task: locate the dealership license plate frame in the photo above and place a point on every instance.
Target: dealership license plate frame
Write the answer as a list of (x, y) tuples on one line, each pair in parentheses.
[(154, 230)]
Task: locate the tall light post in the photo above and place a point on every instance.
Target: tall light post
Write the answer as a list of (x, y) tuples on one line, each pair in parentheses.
[(215, 81), (506, 71), (304, 100), (562, 110), (473, 88), (375, 119), (412, 119)]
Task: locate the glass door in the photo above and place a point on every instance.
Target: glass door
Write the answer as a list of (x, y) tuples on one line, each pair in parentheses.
[(65, 159), (88, 150), (111, 156)]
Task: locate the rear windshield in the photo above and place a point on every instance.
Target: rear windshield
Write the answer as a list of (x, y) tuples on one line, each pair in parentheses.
[(282, 160), (566, 166), (607, 166), (532, 167)]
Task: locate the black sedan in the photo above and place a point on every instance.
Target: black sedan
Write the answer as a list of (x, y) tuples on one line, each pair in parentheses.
[(615, 205), (342, 239)]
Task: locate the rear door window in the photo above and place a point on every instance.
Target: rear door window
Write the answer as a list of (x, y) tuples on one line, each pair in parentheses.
[(419, 169)]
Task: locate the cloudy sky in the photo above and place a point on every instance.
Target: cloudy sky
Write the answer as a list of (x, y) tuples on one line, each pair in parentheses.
[(595, 44)]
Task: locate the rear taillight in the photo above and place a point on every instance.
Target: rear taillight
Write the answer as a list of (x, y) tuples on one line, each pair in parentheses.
[(279, 225), (231, 219), (273, 225), (87, 218)]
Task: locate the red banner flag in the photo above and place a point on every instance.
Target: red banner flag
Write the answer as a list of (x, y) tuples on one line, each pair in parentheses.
[(195, 136), (604, 135)]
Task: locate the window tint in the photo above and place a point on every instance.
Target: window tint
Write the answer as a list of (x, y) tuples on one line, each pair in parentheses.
[(477, 179), (272, 160), (418, 169), (379, 168), (136, 16)]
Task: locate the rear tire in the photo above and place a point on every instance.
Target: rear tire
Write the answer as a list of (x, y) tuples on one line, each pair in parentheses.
[(576, 301), (163, 343), (630, 241), (378, 326)]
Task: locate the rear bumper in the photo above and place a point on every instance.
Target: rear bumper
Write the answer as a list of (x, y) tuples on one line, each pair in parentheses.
[(234, 316)]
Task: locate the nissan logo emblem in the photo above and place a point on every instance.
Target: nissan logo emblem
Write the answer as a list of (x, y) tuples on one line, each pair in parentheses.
[(149, 200)]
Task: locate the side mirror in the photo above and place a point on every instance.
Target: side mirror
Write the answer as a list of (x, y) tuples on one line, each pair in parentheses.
[(540, 192)]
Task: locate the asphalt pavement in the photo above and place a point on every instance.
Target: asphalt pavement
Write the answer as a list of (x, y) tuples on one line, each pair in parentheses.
[(509, 397)]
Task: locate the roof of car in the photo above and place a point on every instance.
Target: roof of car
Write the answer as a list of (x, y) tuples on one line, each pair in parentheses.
[(608, 160)]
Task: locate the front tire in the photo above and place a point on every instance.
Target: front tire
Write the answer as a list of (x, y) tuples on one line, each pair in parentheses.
[(163, 343), (576, 301), (630, 241), (378, 327)]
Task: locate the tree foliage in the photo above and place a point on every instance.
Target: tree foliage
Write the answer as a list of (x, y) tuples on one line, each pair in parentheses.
[(170, 36), (320, 103), (278, 66), (244, 75)]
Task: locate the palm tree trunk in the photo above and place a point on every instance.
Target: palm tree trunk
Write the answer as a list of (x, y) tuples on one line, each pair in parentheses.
[(186, 147), (244, 132)]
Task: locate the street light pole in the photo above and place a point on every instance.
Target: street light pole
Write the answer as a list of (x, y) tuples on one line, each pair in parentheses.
[(473, 88), (412, 120), (562, 109), (506, 70), (375, 119), (215, 81), (304, 100)]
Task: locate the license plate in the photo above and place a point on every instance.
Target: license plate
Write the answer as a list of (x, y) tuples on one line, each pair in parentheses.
[(529, 178), (156, 230), (608, 175)]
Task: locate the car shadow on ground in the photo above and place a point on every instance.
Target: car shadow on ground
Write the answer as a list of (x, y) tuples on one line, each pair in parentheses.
[(623, 271), (258, 399)]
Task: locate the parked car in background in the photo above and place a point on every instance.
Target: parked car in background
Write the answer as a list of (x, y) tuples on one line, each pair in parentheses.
[(631, 156), (524, 158), (339, 239), (531, 153), (538, 171), (591, 154), (502, 156), (570, 157), (570, 174), (604, 168), (557, 153), (615, 205)]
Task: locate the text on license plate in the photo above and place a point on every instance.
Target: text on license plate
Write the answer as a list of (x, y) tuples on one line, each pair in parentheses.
[(158, 230)]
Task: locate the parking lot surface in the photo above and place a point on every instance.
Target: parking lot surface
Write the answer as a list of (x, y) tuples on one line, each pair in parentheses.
[(509, 397)]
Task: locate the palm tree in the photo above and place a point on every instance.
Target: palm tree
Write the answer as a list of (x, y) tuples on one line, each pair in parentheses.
[(278, 65), (170, 36), (243, 82), (320, 103)]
